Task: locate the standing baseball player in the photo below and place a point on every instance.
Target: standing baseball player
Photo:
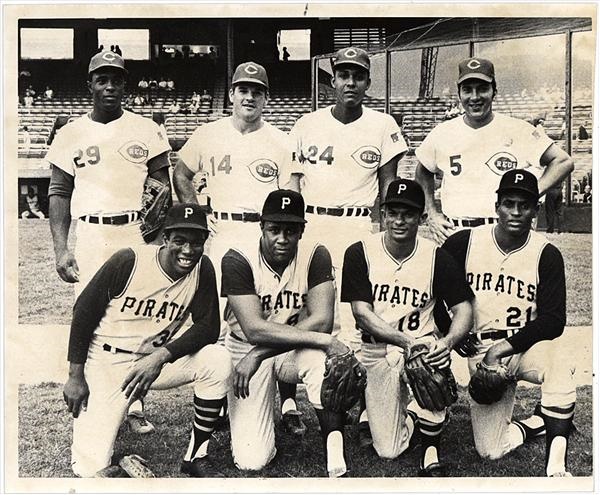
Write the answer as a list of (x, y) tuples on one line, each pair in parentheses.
[(101, 164), (472, 151), (245, 158), (348, 154), (518, 279), (124, 341), (279, 313), (392, 280)]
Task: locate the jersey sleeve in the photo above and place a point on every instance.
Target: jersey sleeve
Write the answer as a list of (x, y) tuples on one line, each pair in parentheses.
[(61, 183), (58, 153), (237, 278), (157, 141), (296, 143), (320, 269), (536, 142), (109, 282), (191, 153), (356, 285), (426, 152), (393, 142), (205, 315), (288, 165), (550, 301), (449, 282)]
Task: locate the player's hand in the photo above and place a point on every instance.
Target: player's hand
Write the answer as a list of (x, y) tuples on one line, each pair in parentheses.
[(243, 373), (143, 373), (438, 355), (491, 358), (76, 393), (66, 266), (336, 347), (440, 227)]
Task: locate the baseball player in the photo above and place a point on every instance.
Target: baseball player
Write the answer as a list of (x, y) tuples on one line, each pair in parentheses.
[(519, 309), (99, 163), (348, 154), (124, 341), (472, 151), (245, 159), (279, 313), (392, 280)]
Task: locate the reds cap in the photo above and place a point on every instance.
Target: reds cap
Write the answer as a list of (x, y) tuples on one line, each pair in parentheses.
[(352, 56), (186, 216), (284, 205), (405, 192), (250, 72), (476, 68), (106, 59), (519, 180)]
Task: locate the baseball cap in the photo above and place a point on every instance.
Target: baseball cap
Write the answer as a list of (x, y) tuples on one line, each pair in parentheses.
[(352, 56), (476, 68), (250, 72), (284, 205), (186, 216), (519, 180), (405, 192), (106, 59)]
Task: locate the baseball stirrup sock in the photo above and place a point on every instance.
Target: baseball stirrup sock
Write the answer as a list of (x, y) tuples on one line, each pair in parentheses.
[(559, 422), (332, 427), (206, 413), (430, 441)]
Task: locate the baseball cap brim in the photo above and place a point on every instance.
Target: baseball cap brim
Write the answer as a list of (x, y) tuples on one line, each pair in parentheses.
[(351, 62), (401, 201), (283, 218), (116, 67), (192, 226), (476, 75), (519, 189), (250, 80)]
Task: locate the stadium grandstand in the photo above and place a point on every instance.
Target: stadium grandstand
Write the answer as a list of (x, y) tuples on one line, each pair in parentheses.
[(414, 65)]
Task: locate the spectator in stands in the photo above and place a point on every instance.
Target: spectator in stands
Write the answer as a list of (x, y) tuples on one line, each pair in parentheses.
[(143, 84), (49, 93), (587, 194), (213, 56), (25, 140), (162, 84), (206, 97), (174, 108), (285, 54), (112, 48), (118, 50), (33, 205), (152, 84), (582, 133), (170, 84), (554, 208), (28, 100), (30, 91), (139, 100), (452, 111), (195, 98)]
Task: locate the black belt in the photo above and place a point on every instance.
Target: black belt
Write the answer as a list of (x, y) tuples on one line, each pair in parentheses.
[(476, 222), (354, 211), (112, 219), (238, 217), (496, 334), (115, 350), (369, 339)]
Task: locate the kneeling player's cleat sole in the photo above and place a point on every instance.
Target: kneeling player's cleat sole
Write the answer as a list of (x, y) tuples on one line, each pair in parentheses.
[(201, 468), (433, 470)]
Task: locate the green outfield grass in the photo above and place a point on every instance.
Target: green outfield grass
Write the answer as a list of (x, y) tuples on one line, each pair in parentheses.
[(45, 298), (45, 436)]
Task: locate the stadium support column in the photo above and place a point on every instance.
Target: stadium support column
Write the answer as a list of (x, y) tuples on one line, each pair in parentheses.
[(230, 55), (568, 101), (428, 63)]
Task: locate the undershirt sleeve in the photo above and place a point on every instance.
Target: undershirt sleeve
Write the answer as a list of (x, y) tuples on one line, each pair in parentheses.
[(237, 278), (356, 285), (449, 282), (320, 269)]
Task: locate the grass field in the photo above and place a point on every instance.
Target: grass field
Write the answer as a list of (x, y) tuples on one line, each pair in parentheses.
[(45, 431), (45, 298)]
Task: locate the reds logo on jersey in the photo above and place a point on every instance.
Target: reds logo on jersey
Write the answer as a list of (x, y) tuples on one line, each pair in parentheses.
[(134, 151), (264, 170), (502, 162), (367, 156)]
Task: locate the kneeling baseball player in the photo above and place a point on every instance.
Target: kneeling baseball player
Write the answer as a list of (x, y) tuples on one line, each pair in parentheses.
[(518, 278), (280, 300), (392, 280), (124, 342)]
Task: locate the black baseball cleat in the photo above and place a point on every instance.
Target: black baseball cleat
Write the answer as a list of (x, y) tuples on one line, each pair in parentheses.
[(433, 470), (201, 468), (364, 435), (292, 423)]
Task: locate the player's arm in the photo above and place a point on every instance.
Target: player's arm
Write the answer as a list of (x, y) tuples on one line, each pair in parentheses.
[(158, 168), (89, 309), (59, 193), (551, 309), (182, 181), (558, 164), (439, 225)]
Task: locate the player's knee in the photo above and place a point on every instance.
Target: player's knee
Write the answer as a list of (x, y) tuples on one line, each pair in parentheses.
[(386, 450), (253, 461), (217, 360), (490, 452)]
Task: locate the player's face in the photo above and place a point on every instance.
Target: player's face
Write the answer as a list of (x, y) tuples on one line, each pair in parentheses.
[(476, 97), (516, 211), (183, 249), (280, 241), (107, 87), (350, 84), (401, 222), (248, 101)]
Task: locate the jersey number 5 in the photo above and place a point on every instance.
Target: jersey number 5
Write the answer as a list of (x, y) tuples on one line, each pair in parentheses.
[(455, 166)]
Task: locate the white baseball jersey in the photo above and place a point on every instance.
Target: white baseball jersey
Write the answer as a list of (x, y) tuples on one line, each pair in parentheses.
[(109, 162), (282, 297), (339, 162), (242, 168), (473, 159), (403, 294)]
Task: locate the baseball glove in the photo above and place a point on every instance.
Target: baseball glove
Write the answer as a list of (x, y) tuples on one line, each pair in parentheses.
[(136, 466), (434, 389), (344, 381), (489, 383), (156, 200)]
